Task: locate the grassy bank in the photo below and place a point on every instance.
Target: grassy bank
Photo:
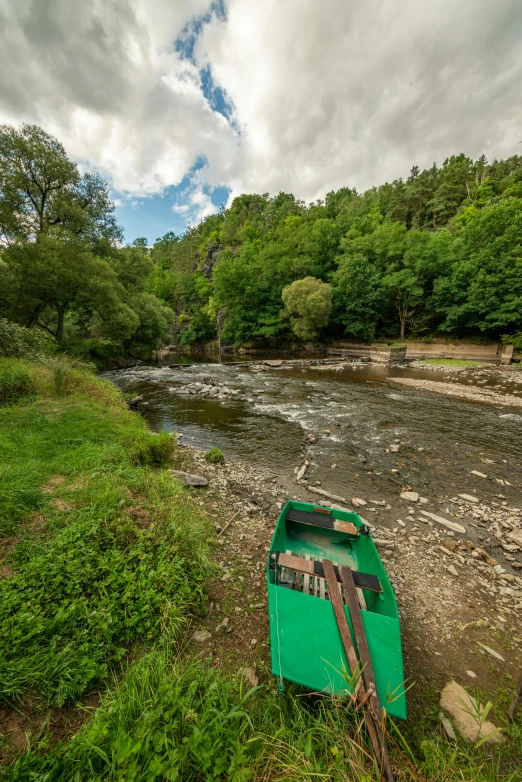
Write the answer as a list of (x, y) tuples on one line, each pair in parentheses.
[(103, 562)]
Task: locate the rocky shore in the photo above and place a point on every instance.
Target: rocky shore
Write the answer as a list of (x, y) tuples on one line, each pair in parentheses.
[(455, 564)]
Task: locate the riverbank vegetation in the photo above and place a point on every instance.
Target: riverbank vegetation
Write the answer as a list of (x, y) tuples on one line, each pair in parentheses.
[(104, 559), (438, 253), (63, 269)]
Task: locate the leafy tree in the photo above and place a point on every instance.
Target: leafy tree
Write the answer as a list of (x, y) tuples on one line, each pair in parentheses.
[(41, 189), (484, 288), (43, 281), (308, 302)]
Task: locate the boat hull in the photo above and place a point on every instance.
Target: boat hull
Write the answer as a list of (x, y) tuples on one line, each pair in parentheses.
[(306, 646)]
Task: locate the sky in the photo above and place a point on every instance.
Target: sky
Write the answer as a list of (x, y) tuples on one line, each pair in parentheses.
[(184, 104)]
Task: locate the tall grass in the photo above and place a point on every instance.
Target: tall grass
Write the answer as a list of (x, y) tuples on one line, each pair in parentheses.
[(175, 718)]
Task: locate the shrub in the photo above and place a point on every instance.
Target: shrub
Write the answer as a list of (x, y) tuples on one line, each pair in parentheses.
[(16, 381), (155, 449), (19, 342), (65, 373), (215, 456)]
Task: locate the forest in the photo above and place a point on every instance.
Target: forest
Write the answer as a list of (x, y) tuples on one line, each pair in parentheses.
[(436, 254)]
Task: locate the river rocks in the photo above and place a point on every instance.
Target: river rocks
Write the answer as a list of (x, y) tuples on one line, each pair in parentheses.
[(516, 537), (223, 626), (357, 502), (478, 474), (189, 479), (411, 496), (491, 652), (209, 389), (201, 636), (458, 704), (469, 498), (453, 570), (302, 470), (453, 525)]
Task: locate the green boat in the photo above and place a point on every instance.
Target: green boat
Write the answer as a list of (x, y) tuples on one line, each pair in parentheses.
[(305, 638)]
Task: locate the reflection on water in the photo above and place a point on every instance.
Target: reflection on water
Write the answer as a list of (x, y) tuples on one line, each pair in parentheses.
[(357, 413)]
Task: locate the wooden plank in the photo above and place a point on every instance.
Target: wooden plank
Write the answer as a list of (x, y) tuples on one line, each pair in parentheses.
[(361, 598), (352, 601), (340, 616), (306, 580), (286, 574), (346, 638), (302, 565), (322, 520)]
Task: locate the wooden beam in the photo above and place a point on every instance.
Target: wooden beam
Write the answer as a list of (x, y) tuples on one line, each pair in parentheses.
[(351, 655), (352, 601), (314, 568)]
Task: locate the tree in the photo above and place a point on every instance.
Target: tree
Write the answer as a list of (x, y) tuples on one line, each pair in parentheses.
[(43, 281), (358, 296), (41, 189), (406, 290), (483, 290), (308, 302)]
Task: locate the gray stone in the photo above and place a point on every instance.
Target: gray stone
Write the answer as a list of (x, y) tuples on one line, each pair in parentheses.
[(469, 497), (491, 651), (453, 570), (250, 675), (201, 636), (478, 474), (222, 626), (448, 727), (188, 479), (458, 704), (411, 496), (445, 522)]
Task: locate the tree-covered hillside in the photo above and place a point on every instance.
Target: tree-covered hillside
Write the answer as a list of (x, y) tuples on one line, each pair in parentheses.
[(440, 252)]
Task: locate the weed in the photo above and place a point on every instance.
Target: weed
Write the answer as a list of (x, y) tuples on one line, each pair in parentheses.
[(16, 381), (154, 449), (215, 456)]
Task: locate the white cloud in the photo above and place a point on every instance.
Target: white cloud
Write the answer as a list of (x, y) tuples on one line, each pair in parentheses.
[(324, 94), (194, 203)]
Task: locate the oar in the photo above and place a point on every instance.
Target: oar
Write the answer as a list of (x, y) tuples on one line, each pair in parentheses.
[(373, 728), (350, 595)]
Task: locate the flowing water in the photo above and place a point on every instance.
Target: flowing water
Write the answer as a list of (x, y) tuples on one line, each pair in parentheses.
[(357, 412)]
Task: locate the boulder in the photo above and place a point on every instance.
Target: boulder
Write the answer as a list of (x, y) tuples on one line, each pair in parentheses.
[(458, 704), (188, 479)]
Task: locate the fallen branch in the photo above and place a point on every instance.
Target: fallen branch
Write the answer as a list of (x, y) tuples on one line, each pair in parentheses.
[(227, 525)]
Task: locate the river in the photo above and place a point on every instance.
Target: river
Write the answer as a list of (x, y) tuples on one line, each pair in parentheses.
[(357, 413)]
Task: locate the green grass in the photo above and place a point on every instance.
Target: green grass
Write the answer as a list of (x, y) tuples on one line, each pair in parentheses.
[(215, 456), (454, 362), (108, 551), (176, 718)]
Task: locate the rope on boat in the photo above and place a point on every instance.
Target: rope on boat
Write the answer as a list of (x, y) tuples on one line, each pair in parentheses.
[(280, 682)]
